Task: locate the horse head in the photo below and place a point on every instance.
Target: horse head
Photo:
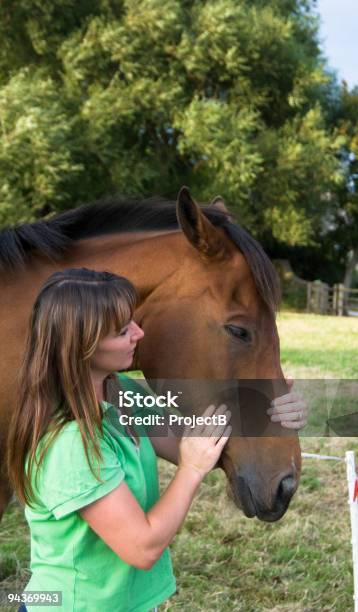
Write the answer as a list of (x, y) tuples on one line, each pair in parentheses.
[(210, 328)]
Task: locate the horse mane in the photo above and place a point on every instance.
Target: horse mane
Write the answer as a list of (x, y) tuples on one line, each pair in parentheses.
[(53, 237)]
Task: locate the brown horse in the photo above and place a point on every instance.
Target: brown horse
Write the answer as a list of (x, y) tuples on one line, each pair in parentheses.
[(208, 296)]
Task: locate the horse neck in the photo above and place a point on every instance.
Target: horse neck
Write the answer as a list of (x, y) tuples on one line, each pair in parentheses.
[(146, 259)]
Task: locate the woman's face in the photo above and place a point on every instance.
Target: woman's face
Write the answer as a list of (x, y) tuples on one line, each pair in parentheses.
[(115, 351)]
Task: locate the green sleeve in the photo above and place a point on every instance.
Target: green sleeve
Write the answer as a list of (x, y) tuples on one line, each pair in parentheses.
[(65, 480), (153, 430)]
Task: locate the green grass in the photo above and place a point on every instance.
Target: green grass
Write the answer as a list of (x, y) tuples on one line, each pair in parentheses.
[(317, 346), (14, 551), (225, 562)]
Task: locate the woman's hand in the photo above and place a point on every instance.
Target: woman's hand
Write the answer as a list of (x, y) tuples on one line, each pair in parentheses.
[(201, 447), (290, 409)]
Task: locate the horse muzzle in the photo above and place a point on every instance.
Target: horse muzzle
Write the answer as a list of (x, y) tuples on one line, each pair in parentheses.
[(267, 505)]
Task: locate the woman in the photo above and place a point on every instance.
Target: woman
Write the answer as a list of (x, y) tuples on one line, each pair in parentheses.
[(99, 533)]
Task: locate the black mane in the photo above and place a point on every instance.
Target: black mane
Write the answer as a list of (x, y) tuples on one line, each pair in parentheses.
[(53, 237)]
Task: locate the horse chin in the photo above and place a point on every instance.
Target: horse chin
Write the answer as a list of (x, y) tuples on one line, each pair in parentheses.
[(271, 517), (243, 500), (247, 505)]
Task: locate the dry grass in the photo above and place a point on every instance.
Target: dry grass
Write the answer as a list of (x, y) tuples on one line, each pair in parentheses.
[(224, 561)]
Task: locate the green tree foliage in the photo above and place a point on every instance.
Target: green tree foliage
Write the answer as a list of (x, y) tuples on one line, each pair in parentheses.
[(37, 149), (141, 96), (344, 234)]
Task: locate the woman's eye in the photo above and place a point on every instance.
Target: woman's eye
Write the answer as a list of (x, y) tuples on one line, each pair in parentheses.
[(238, 332), (123, 333)]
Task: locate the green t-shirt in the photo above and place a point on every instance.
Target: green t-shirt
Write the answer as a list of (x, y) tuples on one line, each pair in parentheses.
[(66, 554)]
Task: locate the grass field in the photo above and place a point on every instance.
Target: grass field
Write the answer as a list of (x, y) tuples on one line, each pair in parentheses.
[(315, 346), (225, 562)]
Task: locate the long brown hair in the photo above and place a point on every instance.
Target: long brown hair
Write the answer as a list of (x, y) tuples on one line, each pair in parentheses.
[(74, 310)]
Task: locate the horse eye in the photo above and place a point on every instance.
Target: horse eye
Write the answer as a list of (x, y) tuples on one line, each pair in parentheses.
[(238, 332)]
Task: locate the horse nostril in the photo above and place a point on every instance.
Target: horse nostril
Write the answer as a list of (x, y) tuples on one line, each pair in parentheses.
[(286, 488)]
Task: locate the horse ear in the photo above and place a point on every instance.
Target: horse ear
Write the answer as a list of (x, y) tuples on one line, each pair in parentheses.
[(200, 232), (219, 204)]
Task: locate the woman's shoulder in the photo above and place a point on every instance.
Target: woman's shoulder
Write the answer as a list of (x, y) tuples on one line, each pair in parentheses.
[(68, 476), (64, 440), (59, 442), (135, 381), (66, 448)]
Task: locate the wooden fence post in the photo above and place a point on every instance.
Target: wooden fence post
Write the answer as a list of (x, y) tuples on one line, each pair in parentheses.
[(323, 305), (335, 299), (340, 300), (318, 297), (313, 302), (309, 296)]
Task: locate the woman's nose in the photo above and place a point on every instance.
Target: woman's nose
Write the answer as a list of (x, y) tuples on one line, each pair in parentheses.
[(137, 331)]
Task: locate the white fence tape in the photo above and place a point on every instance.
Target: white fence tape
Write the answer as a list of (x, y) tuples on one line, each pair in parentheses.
[(332, 457), (353, 507)]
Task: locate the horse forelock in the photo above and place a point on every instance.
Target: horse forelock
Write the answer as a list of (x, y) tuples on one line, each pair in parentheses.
[(263, 271)]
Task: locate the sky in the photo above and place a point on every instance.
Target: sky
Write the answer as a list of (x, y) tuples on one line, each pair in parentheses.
[(339, 36)]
